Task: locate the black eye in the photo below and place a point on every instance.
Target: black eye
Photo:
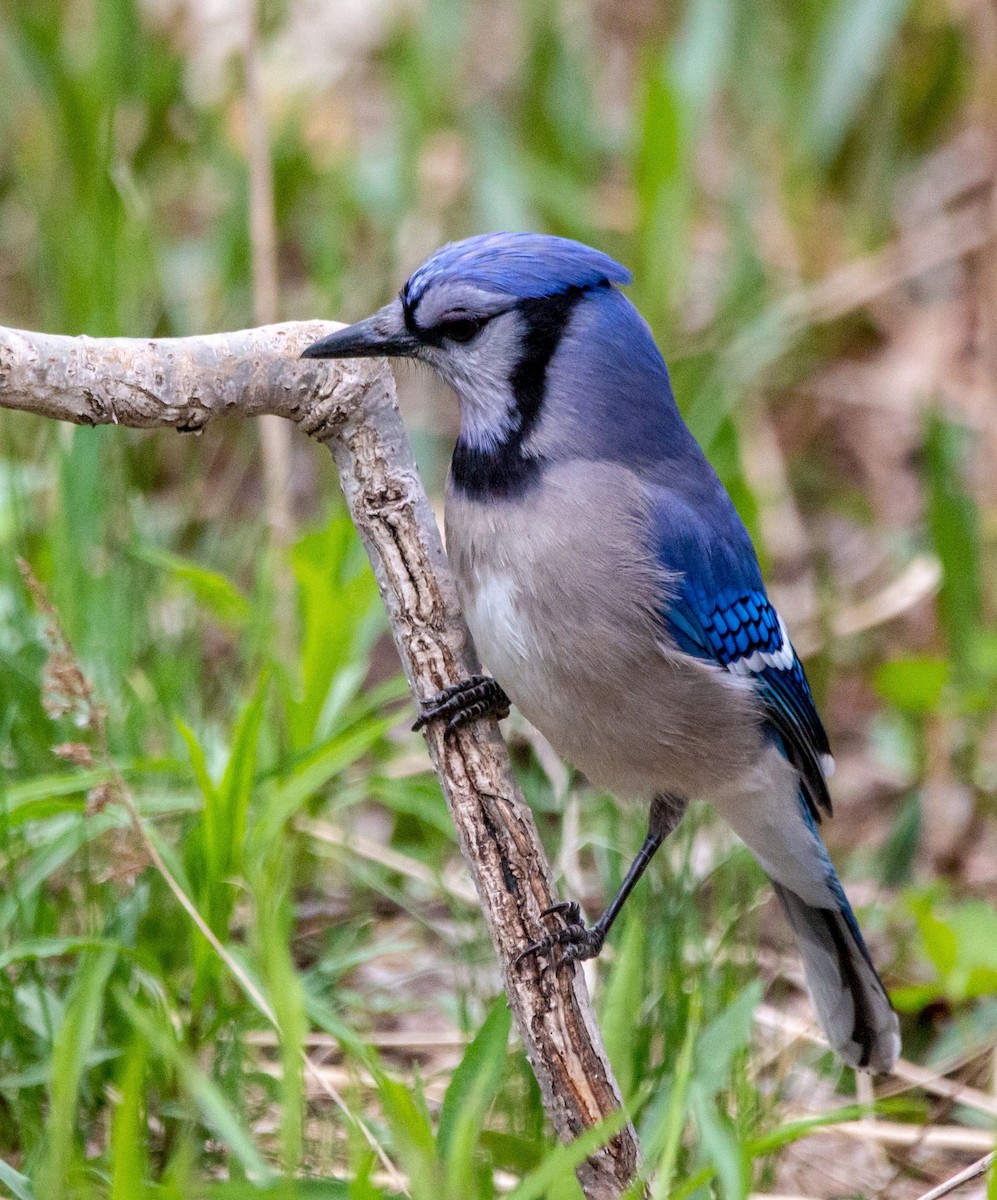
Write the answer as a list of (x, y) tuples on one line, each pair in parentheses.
[(460, 329)]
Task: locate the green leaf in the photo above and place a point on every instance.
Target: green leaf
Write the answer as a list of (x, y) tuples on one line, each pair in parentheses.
[(339, 613), (272, 938), (718, 1143), (320, 1014), (212, 591), (215, 1109), (898, 855), (472, 1089), (622, 1001), (129, 1133), (955, 530), (727, 1035), (73, 1043), (20, 1185), (51, 857), (785, 1135), (418, 796), (236, 786), (940, 942), (561, 1163), (850, 50), (39, 797), (974, 927), (961, 942), (701, 52), (915, 998), (914, 683), (315, 769), (32, 949), (40, 1074), (411, 1135), (199, 763), (282, 1189), (512, 1151), (669, 1135)]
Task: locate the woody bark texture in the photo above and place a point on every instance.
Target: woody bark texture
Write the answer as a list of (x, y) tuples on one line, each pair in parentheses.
[(352, 409)]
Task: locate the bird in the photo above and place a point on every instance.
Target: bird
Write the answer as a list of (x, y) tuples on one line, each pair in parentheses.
[(613, 591)]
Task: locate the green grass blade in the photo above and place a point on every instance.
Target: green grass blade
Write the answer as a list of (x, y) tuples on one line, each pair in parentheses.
[(211, 589), (623, 998), (74, 1040), (955, 530), (560, 1164), (471, 1090), (19, 1185), (412, 1136), (236, 787), (718, 1142), (129, 1134), (726, 1036), (850, 49), (676, 1114), (215, 1109)]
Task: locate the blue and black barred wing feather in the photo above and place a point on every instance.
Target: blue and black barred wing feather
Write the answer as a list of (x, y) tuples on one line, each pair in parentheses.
[(715, 607), (741, 630)]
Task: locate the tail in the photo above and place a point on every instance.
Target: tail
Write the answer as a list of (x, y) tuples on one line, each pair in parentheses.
[(847, 994), (770, 812)]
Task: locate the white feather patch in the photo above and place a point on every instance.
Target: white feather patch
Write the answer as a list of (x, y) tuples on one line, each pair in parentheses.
[(500, 628), (758, 660)]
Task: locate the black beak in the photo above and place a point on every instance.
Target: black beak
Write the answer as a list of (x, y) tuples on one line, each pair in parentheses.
[(381, 336)]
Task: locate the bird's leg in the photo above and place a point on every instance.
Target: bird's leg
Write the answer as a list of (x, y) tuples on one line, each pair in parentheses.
[(585, 941), (478, 696)]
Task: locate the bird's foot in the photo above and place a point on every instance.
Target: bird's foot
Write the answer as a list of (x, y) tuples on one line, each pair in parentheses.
[(576, 939), (478, 696)]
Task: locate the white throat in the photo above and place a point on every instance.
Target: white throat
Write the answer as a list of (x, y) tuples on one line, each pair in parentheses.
[(481, 374)]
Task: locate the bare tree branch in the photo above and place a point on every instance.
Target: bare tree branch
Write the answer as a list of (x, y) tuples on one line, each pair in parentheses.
[(352, 409)]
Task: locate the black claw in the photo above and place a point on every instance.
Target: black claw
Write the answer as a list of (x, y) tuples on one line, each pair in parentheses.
[(577, 940), (461, 703)]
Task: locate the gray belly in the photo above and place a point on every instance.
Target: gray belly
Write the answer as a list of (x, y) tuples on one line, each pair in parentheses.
[(562, 601)]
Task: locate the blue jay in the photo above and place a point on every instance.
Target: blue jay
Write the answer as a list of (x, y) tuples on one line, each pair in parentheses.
[(613, 591)]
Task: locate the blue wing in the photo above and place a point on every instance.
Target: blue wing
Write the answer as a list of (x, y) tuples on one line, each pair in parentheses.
[(715, 607), (719, 612)]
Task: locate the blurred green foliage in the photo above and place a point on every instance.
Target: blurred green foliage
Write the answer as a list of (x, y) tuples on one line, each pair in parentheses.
[(732, 156)]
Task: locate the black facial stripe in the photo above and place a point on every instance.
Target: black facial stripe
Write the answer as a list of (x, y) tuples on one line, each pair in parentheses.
[(408, 316), (506, 469), (546, 320)]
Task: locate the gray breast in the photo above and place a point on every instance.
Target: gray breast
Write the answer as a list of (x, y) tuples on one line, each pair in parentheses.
[(562, 595)]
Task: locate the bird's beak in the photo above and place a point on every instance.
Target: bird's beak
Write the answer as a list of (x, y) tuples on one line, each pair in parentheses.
[(382, 335)]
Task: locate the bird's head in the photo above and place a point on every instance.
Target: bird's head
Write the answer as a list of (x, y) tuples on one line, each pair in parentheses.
[(547, 357), (487, 314)]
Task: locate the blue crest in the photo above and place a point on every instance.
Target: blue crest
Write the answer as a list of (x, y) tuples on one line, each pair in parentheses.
[(516, 264)]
